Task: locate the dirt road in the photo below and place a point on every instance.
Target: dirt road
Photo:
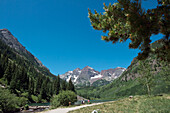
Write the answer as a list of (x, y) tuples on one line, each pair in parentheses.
[(65, 110)]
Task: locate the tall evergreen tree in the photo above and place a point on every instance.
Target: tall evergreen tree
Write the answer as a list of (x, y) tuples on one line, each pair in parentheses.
[(16, 79), (58, 84), (1, 71), (13, 83), (8, 74), (24, 79), (38, 84), (31, 85), (44, 89), (64, 85), (71, 86)]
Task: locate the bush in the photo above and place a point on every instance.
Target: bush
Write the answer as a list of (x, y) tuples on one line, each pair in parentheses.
[(34, 98), (10, 102), (26, 107), (63, 99)]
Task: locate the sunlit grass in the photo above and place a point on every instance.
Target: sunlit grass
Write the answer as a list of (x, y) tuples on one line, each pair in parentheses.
[(138, 104)]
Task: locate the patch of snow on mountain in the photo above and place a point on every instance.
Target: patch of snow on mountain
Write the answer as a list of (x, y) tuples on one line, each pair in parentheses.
[(115, 77), (70, 71), (79, 71), (68, 78), (90, 67), (123, 69), (75, 78), (93, 72), (97, 76)]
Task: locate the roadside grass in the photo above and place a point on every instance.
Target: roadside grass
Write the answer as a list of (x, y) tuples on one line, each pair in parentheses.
[(138, 104)]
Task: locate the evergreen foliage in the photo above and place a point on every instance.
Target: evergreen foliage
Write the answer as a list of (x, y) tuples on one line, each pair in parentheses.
[(126, 19), (64, 85), (24, 79), (71, 86)]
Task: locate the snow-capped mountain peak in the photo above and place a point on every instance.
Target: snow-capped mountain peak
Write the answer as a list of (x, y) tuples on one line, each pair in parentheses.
[(88, 74)]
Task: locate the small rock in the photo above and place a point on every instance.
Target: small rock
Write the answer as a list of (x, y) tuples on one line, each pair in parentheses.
[(130, 96), (95, 111)]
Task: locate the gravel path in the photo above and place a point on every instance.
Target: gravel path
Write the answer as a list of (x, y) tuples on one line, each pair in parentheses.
[(65, 110)]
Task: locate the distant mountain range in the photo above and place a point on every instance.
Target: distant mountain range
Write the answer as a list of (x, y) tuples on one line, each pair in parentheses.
[(88, 75)]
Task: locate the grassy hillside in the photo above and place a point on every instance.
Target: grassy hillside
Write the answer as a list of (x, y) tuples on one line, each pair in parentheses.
[(128, 83), (138, 104), (100, 82)]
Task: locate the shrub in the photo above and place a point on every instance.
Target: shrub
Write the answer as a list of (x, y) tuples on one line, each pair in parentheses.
[(10, 102), (34, 98), (26, 107), (63, 99)]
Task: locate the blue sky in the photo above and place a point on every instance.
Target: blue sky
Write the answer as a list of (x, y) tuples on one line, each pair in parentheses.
[(59, 33)]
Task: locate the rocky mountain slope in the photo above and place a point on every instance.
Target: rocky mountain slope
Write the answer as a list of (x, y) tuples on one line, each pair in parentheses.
[(88, 75), (7, 37), (12, 42)]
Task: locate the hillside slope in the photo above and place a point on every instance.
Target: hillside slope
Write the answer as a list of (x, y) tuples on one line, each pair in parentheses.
[(128, 83), (18, 49), (23, 74)]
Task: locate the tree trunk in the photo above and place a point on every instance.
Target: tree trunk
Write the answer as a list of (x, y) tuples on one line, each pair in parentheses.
[(148, 88)]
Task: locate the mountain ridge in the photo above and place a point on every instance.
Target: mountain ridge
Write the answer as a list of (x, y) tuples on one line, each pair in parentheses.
[(88, 75), (7, 37), (11, 41)]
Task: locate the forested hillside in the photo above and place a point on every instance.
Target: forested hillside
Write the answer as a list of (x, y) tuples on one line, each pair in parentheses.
[(18, 49), (23, 82), (21, 76)]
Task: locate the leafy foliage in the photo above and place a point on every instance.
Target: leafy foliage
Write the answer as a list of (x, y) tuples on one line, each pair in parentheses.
[(10, 102), (146, 78), (63, 99), (126, 19)]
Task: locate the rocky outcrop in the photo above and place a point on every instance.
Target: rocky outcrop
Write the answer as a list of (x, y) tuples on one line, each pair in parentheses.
[(112, 73)]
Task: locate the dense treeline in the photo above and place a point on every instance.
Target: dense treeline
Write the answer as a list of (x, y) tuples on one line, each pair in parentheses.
[(24, 80)]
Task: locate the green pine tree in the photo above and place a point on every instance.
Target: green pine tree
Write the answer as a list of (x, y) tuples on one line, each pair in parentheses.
[(71, 86), (8, 74), (64, 85), (127, 19), (58, 84)]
